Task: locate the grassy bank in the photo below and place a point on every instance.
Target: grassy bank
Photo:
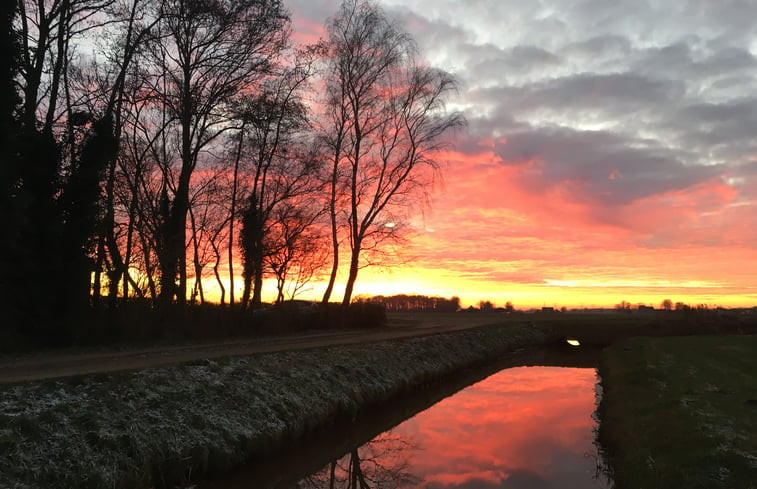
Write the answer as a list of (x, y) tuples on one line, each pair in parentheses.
[(681, 412), (166, 426)]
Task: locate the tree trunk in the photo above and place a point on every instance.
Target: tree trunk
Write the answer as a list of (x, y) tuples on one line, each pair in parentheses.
[(257, 286), (354, 267), (334, 229), (334, 245), (232, 216), (196, 257), (97, 284), (181, 200), (175, 238), (217, 273), (280, 289), (247, 279)]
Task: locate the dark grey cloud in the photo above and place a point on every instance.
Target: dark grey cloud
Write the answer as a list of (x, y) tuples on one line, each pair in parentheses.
[(604, 46), (697, 65), (519, 61), (613, 93), (619, 101), (717, 132), (600, 166)]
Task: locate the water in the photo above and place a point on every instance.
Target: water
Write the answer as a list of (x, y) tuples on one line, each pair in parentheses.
[(523, 427)]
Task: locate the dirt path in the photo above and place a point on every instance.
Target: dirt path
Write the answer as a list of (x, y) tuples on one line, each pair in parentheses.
[(54, 365)]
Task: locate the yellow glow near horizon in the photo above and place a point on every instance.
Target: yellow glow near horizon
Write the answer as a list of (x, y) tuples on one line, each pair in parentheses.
[(576, 294)]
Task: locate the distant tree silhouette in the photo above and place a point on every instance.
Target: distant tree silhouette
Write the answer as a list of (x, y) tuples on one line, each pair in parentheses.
[(667, 305), (80, 206), (251, 242), (414, 303), (384, 115)]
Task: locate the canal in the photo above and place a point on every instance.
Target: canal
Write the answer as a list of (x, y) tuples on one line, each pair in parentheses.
[(519, 427)]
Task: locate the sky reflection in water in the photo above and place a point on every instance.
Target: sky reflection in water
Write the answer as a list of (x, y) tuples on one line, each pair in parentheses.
[(526, 427)]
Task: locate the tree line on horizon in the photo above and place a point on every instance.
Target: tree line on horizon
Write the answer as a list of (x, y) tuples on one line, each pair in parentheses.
[(413, 303), (194, 142), (665, 305)]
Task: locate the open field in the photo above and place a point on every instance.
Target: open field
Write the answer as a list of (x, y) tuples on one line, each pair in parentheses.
[(681, 412)]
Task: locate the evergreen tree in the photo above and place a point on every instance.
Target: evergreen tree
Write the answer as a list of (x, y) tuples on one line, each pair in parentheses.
[(9, 101)]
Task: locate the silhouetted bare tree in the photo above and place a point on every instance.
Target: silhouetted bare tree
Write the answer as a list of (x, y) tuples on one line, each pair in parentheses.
[(131, 29), (203, 54), (275, 144), (385, 118)]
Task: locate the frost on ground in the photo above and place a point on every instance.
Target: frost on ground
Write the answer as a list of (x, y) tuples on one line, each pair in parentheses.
[(163, 426)]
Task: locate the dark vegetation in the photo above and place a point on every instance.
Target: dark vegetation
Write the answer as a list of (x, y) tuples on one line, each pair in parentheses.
[(139, 323), (134, 176)]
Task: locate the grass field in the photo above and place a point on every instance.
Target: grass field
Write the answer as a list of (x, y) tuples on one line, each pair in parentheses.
[(681, 412)]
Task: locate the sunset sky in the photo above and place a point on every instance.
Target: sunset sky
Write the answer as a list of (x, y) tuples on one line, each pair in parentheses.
[(610, 153)]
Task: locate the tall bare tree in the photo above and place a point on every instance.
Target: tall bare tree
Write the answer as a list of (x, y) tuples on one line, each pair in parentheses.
[(280, 164), (135, 28), (385, 119), (203, 54)]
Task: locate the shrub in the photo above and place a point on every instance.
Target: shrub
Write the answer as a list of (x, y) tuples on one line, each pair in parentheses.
[(299, 316)]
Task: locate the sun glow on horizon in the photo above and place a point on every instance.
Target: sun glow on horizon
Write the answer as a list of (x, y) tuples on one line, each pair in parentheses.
[(577, 294)]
